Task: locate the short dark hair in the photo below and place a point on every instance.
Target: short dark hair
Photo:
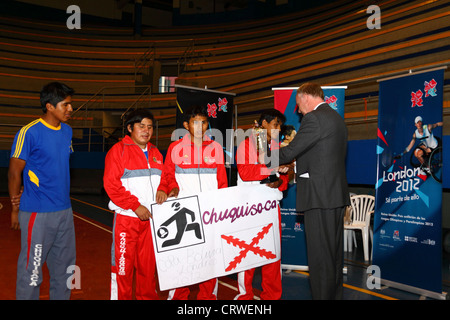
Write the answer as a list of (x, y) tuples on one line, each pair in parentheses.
[(286, 130), (53, 93), (193, 111), (136, 116), (271, 114)]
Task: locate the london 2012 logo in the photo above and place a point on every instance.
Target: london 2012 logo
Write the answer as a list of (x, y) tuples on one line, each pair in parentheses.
[(417, 97), (332, 101)]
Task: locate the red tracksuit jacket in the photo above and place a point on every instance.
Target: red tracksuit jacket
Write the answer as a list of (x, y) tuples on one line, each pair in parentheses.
[(130, 179), (192, 169)]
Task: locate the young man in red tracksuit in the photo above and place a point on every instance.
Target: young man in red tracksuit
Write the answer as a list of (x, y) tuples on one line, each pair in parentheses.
[(251, 170), (194, 164), (132, 175)]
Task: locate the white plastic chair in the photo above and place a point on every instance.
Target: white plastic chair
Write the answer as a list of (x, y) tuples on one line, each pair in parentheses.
[(349, 235), (362, 209)]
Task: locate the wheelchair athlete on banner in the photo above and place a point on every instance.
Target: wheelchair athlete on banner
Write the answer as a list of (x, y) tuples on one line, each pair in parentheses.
[(428, 152)]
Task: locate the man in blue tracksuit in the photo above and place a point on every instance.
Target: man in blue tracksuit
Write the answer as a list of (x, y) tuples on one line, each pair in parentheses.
[(40, 157)]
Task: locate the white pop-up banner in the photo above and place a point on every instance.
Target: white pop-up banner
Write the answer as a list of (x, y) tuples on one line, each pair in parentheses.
[(215, 233)]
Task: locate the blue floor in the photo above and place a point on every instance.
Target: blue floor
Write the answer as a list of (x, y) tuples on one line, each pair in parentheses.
[(295, 283)]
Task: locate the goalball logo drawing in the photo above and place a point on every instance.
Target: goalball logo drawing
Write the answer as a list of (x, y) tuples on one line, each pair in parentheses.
[(181, 226)]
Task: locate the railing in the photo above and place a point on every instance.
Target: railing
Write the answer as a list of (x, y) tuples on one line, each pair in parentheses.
[(187, 56), (140, 99), (113, 101), (142, 63), (99, 98)]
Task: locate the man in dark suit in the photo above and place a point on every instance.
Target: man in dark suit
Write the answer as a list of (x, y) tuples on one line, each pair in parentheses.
[(319, 149)]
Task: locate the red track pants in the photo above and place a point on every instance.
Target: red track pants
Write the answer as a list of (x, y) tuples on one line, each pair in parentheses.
[(270, 282), (207, 291), (132, 248)]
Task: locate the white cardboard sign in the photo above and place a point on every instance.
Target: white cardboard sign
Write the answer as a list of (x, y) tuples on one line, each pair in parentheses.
[(215, 233)]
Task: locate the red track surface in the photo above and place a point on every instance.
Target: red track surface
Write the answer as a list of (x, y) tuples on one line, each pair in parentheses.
[(93, 241)]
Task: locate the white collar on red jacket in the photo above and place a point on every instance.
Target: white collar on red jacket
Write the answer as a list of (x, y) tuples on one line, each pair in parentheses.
[(128, 141), (187, 140)]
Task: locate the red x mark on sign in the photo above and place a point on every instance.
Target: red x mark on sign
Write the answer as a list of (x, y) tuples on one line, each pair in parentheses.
[(248, 247)]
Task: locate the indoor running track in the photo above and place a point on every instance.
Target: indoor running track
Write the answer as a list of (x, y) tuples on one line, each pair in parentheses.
[(93, 242)]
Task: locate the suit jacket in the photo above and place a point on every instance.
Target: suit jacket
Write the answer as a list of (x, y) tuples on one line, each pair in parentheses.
[(320, 148)]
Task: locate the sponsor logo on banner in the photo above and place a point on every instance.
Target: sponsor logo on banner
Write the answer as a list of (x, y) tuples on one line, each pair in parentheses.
[(212, 109), (332, 101), (430, 88)]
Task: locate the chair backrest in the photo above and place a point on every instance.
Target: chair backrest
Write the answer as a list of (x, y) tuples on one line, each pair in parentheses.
[(362, 207)]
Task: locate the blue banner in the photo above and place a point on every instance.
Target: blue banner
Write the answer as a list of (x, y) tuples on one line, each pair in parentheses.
[(407, 221), (293, 241)]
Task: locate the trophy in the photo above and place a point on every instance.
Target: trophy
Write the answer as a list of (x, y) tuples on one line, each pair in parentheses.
[(258, 134), (260, 138)]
